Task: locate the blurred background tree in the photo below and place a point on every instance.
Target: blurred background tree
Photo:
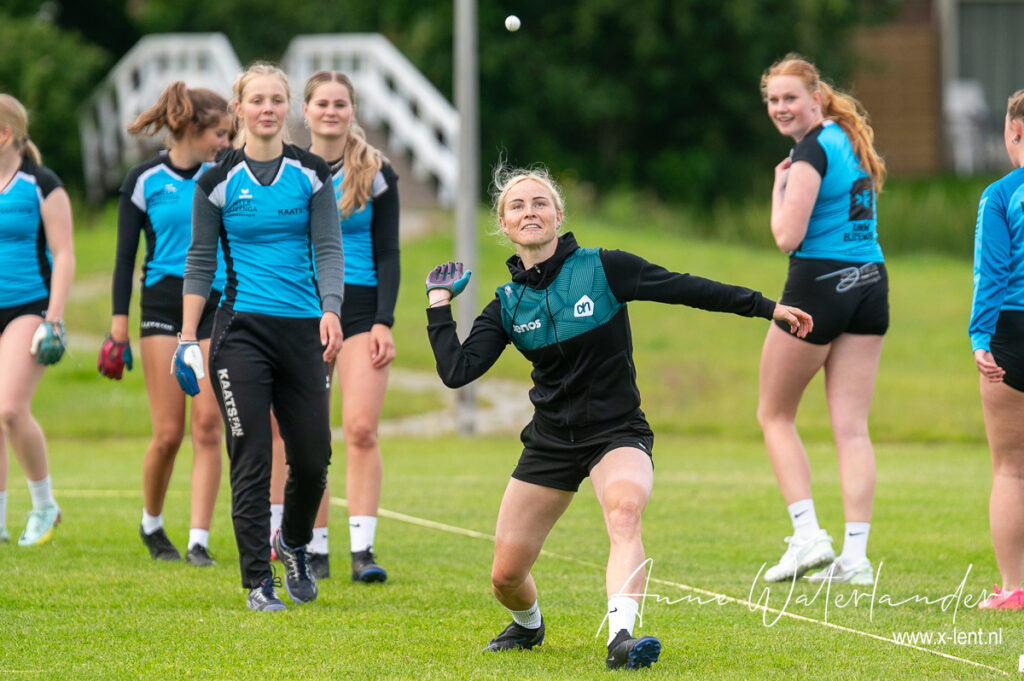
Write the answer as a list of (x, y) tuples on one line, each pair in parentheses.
[(658, 95)]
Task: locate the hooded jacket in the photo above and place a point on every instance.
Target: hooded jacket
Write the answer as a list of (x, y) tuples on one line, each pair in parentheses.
[(568, 316)]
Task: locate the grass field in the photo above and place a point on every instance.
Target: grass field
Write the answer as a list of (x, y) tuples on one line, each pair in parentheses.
[(92, 605)]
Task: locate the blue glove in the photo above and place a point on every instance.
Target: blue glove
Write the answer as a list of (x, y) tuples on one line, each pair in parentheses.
[(187, 366), (450, 277), (48, 342)]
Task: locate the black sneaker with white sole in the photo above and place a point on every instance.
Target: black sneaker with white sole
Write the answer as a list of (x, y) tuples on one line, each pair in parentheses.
[(365, 568), (320, 564), (516, 637), (299, 581), (626, 652), (263, 597), (199, 556), (160, 547)]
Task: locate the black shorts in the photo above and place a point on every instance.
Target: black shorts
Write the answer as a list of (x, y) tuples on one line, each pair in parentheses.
[(162, 310), (1007, 346), (551, 460), (842, 297), (36, 308), (359, 310)]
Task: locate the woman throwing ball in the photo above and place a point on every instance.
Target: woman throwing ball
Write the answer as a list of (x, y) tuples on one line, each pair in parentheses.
[(565, 311), (823, 215)]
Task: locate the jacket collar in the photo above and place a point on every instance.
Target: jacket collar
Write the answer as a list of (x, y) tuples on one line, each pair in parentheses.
[(543, 273)]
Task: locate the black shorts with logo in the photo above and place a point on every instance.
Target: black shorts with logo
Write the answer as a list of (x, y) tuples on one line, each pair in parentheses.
[(162, 310), (1007, 346), (842, 297), (36, 308), (551, 459)]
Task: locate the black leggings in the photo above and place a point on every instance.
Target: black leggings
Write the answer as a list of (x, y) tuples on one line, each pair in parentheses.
[(258, 362)]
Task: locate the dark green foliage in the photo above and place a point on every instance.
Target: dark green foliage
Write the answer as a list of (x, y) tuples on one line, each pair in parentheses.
[(51, 71)]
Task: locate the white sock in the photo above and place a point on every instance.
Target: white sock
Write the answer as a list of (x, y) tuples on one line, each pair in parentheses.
[(855, 543), (151, 523), (276, 513), (318, 544), (805, 520), (622, 612), (198, 536), (41, 492), (3, 510), (361, 529), (529, 618)]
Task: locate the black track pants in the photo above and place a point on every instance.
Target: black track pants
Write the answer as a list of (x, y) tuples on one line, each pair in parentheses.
[(258, 362)]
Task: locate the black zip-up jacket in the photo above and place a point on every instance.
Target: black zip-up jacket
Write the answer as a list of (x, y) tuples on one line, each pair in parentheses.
[(587, 381)]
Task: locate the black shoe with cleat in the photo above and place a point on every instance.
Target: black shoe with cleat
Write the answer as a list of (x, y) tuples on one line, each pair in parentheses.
[(516, 637), (320, 564), (160, 547), (199, 556), (299, 581), (365, 568), (626, 652)]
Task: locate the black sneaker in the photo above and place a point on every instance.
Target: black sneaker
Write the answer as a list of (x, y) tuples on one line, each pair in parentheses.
[(299, 581), (199, 556), (263, 597), (365, 568), (516, 637), (321, 565), (626, 652), (160, 547)]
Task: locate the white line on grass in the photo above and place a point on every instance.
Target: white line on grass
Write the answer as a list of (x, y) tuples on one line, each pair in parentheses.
[(422, 522)]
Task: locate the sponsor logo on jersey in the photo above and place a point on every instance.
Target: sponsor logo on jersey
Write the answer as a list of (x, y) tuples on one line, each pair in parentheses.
[(508, 291), (584, 307), (292, 211), (245, 193), (528, 326)]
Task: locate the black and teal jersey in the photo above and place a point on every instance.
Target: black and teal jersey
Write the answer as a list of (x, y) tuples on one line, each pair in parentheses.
[(568, 316), (843, 224), (156, 199), (370, 235), (25, 262), (998, 256), (273, 219)]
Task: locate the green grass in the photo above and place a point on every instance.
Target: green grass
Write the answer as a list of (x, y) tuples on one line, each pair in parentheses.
[(93, 606)]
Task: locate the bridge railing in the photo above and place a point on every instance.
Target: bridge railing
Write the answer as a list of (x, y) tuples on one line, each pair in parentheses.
[(391, 94), (132, 86)]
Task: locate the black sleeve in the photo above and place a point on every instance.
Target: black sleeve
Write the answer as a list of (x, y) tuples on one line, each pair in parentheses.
[(130, 223), (201, 260), (384, 232), (633, 278), (809, 149), (459, 364), (47, 181)]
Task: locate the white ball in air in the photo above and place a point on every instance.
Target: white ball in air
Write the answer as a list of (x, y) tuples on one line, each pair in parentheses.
[(512, 22)]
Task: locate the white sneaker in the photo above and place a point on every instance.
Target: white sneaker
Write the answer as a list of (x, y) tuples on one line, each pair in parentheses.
[(860, 574), (802, 556)]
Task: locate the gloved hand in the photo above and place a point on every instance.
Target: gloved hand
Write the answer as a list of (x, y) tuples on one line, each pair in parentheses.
[(187, 366), (114, 357), (450, 277), (48, 342)]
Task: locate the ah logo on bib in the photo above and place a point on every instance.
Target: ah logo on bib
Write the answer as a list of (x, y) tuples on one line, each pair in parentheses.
[(584, 307)]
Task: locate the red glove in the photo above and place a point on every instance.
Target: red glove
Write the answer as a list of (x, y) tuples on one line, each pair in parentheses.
[(114, 357)]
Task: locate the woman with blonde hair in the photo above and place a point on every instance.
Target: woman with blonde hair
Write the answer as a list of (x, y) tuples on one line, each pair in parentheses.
[(997, 336), (367, 190), (823, 216), (565, 310), (270, 208), (156, 199), (37, 264)]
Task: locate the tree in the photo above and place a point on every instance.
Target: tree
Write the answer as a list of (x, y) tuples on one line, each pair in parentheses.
[(51, 71)]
